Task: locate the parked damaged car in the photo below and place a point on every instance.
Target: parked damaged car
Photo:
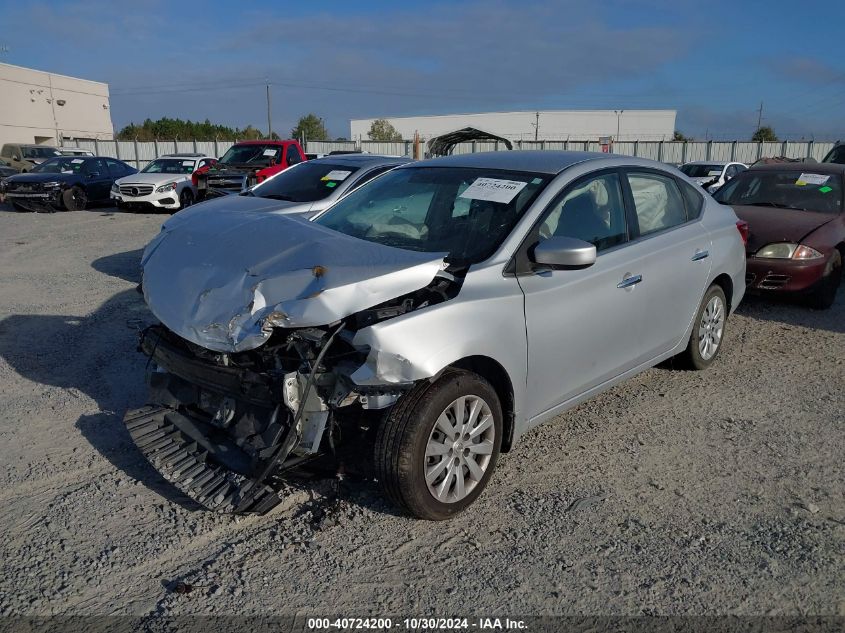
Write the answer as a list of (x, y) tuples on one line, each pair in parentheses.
[(64, 183), (313, 186), (247, 163), (796, 216), (433, 315)]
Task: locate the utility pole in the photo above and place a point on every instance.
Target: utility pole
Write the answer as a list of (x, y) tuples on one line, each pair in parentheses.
[(536, 126), (759, 117), (269, 123), (618, 114)]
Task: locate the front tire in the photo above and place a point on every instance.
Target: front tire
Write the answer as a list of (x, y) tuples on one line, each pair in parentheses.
[(75, 199), (708, 330), (186, 198), (439, 445)]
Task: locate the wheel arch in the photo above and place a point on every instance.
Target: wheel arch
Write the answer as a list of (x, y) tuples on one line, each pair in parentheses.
[(725, 282), (494, 373)]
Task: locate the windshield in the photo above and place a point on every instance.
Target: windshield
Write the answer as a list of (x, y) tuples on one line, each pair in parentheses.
[(307, 182), (837, 155), (40, 152), (463, 212), (258, 154), (702, 171), (805, 191), (169, 166), (63, 165)]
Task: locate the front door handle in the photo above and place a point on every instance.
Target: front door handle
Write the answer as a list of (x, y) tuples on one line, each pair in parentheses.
[(699, 255), (633, 280)]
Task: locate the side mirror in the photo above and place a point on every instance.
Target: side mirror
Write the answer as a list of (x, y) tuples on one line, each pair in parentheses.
[(564, 252)]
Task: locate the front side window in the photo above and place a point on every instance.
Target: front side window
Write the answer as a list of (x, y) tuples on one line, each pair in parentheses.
[(789, 189), (415, 209), (593, 211), (293, 156), (96, 167), (657, 202)]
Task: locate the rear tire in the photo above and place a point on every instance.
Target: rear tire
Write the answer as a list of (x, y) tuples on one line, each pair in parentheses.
[(824, 296), (75, 199), (437, 429), (708, 330)]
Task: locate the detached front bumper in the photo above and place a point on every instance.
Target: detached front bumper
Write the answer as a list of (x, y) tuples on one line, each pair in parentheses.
[(36, 201), (212, 430), (783, 276)]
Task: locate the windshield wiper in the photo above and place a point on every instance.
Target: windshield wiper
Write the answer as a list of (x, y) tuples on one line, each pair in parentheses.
[(277, 196), (776, 206)]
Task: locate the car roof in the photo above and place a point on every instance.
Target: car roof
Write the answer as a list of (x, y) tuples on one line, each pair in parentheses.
[(818, 168), (538, 161), (185, 155), (265, 142), (711, 162), (362, 160)]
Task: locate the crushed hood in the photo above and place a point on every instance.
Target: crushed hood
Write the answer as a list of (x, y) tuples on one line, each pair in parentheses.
[(224, 280)]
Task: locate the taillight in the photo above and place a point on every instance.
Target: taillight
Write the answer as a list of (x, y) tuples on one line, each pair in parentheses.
[(742, 227)]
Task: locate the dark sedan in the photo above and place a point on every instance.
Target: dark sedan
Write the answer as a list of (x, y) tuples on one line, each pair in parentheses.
[(797, 228), (68, 183), (6, 169)]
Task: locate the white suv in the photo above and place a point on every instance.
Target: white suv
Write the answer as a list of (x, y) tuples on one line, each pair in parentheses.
[(167, 182)]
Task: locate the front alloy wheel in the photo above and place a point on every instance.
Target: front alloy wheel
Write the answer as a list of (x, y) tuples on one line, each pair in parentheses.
[(438, 447)]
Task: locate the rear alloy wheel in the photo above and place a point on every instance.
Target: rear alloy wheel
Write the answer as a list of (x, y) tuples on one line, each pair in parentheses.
[(75, 199), (438, 447), (186, 198), (708, 330), (825, 294)]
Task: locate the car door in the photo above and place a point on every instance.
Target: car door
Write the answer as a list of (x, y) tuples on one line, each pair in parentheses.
[(98, 179), (584, 325), (676, 264)]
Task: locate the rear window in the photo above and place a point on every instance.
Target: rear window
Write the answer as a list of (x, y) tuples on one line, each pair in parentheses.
[(307, 182), (801, 190)]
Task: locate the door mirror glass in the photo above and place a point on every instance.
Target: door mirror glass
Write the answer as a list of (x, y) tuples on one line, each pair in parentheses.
[(564, 252)]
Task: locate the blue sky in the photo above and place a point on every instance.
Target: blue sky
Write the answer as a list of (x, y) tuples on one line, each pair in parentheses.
[(713, 61)]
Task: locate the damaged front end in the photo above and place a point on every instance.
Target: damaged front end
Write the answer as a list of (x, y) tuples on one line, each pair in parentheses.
[(229, 412)]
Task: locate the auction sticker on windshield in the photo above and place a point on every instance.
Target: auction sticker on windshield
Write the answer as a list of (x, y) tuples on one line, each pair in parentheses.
[(811, 179), (269, 152), (187, 163), (336, 174), (493, 190), (77, 161)]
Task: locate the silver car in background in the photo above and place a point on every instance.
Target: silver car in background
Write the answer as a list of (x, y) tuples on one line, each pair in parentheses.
[(437, 314)]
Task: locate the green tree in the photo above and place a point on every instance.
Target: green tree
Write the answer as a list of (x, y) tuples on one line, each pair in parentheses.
[(311, 128), (680, 136), (382, 130), (765, 134), (167, 128)]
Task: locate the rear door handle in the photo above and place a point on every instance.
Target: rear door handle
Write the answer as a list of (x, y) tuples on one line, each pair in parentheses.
[(700, 255), (633, 280)]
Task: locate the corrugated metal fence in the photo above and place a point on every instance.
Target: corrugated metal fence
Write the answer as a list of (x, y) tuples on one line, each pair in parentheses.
[(139, 153)]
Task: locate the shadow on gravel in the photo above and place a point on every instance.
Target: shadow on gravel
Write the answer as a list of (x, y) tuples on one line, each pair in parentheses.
[(126, 265), (94, 355), (795, 314)]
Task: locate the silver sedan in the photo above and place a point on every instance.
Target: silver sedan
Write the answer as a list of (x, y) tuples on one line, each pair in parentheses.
[(461, 300)]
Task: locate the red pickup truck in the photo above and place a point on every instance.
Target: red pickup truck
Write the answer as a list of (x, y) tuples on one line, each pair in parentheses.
[(247, 163)]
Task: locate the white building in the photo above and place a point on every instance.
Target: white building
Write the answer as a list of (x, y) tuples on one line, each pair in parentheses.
[(45, 108), (557, 125)]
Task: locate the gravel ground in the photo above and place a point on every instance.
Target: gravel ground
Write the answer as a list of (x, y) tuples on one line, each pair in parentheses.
[(716, 492)]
